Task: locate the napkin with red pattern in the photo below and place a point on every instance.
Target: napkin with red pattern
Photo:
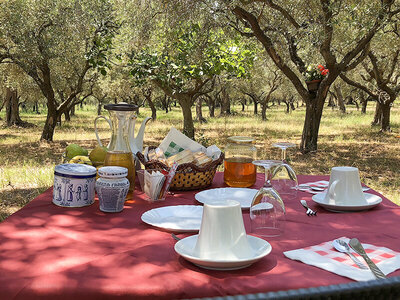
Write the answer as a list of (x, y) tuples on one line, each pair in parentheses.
[(325, 256), (307, 187)]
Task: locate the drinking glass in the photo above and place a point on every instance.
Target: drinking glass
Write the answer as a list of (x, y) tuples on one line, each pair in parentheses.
[(283, 177), (283, 146), (267, 211)]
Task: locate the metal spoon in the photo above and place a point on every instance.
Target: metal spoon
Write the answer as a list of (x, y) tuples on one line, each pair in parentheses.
[(317, 189), (342, 246), (314, 188)]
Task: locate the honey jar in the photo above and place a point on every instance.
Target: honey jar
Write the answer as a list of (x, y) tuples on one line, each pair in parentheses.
[(240, 153)]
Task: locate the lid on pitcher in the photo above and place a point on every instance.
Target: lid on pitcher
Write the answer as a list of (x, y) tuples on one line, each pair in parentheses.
[(121, 106), (113, 172), (75, 170)]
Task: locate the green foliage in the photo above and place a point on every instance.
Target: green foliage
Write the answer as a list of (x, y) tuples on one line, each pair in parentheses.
[(191, 54), (102, 47)]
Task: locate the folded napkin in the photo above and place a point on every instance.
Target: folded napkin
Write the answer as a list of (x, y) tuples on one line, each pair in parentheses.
[(324, 256), (306, 187)]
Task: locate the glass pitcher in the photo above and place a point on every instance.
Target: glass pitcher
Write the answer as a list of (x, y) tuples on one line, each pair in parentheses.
[(119, 152)]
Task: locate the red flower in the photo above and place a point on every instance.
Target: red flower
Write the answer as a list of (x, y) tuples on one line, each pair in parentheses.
[(324, 72), (320, 67)]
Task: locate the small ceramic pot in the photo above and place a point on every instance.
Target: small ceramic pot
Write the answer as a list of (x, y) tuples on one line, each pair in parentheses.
[(74, 185), (112, 188)]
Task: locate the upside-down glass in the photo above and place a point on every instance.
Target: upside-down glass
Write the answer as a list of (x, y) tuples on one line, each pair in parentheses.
[(267, 211), (283, 177), (283, 146)]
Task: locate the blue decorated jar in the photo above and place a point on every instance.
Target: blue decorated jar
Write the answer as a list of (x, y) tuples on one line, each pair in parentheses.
[(74, 185), (112, 188)]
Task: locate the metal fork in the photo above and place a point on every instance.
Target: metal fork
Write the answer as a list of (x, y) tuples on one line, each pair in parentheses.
[(309, 211)]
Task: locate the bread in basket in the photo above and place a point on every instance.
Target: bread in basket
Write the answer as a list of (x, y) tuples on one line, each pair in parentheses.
[(188, 176)]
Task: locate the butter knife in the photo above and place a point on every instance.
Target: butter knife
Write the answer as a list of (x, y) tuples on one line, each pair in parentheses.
[(356, 245)]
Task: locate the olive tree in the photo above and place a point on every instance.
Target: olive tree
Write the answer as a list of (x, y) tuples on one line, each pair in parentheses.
[(186, 64), (56, 43), (336, 34)]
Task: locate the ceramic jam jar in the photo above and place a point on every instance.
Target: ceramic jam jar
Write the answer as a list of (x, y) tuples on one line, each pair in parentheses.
[(112, 188), (240, 153), (74, 185)]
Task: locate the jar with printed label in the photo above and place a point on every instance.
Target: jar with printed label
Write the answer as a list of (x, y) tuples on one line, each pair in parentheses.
[(112, 188)]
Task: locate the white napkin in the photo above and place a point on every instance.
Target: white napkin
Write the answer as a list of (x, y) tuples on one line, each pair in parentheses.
[(180, 139), (324, 256), (153, 183)]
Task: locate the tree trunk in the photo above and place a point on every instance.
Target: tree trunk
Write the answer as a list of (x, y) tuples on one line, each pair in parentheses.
[(59, 121), (292, 106), (50, 125), (186, 105), (287, 106), (357, 106), (364, 103), (72, 111), (312, 121), (99, 108), (378, 114), (12, 109), (165, 103), (67, 115), (152, 107), (364, 106), (225, 103), (255, 106), (211, 106), (36, 107), (385, 119), (331, 102), (340, 99), (199, 112), (243, 105), (264, 106)]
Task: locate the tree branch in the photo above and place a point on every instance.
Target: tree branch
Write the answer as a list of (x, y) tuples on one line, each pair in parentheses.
[(325, 47), (358, 85), (363, 42), (283, 11), (268, 45)]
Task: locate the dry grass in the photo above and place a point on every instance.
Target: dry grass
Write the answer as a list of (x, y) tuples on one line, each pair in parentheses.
[(26, 165)]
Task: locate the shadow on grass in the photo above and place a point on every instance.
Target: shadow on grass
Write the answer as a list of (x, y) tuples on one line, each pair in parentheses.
[(40, 153), (13, 199)]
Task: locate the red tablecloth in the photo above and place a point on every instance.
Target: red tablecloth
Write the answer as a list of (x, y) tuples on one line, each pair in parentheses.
[(65, 253)]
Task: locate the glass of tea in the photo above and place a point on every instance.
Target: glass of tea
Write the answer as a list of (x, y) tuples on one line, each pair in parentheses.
[(239, 170)]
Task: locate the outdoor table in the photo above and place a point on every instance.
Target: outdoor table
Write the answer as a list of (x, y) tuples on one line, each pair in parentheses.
[(48, 251)]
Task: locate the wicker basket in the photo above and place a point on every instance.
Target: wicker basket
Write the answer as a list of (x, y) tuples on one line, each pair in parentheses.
[(188, 176)]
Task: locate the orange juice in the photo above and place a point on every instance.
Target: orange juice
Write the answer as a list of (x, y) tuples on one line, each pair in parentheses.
[(239, 172), (122, 159)]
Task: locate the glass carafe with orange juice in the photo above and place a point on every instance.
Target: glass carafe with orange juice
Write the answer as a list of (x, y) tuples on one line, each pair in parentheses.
[(239, 155), (119, 152)]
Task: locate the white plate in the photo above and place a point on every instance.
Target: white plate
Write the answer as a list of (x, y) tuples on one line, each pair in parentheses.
[(243, 195), (179, 218), (185, 248), (372, 201)]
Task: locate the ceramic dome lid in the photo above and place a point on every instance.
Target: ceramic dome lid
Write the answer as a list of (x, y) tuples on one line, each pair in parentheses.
[(75, 170), (113, 172)]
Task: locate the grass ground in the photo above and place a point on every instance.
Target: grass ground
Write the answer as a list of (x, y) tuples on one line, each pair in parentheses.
[(26, 165)]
